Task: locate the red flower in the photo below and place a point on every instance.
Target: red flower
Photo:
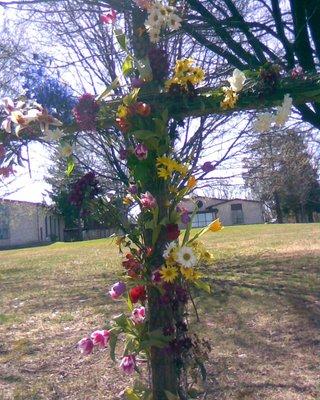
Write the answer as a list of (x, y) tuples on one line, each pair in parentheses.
[(108, 18), (173, 232), (142, 109), (137, 293), (123, 125)]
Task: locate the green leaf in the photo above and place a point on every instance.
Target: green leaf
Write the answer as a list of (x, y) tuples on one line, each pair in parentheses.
[(70, 167), (113, 85), (144, 134), (113, 342), (121, 321), (203, 286), (127, 66), (188, 230), (121, 38), (131, 97)]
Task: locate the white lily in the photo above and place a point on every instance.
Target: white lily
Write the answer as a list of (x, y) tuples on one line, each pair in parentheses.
[(8, 104), (6, 125), (237, 80)]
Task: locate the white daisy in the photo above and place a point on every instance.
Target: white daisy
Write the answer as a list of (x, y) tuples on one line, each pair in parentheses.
[(174, 21), (154, 35), (186, 257), (171, 246)]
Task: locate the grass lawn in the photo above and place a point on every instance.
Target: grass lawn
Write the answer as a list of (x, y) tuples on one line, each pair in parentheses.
[(263, 317)]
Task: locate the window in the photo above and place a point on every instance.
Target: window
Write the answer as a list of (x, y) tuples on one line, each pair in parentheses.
[(200, 204), (202, 219), (237, 214), (4, 222)]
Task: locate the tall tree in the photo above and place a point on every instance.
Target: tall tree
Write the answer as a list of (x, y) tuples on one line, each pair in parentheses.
[(280, 172)]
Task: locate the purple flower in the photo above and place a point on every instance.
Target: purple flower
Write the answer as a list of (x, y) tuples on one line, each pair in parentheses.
[(207, 167), (141, 151), (117, 290), (137, 82), (123, 154), (185, 218), (133, 189), (128, 364), (156, 276), (86, 112), (85, 346)]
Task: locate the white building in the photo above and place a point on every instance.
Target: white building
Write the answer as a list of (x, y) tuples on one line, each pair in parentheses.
[(230, 212), (25, 223)]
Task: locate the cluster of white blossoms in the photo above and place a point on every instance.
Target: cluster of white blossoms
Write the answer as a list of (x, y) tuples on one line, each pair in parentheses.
[(160, 16), (264, 121), (22, 113)]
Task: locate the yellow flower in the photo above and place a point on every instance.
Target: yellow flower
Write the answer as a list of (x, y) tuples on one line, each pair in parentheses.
[(187, 273), (169, 274), (230, 98), (128, 200), (173, 189), (164, 173), (191, 182), (120, 240), (123, 111), (215, 225), (182, 169)]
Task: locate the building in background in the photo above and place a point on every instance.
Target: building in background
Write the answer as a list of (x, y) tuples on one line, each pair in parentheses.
[(24, 223), (231, 212)]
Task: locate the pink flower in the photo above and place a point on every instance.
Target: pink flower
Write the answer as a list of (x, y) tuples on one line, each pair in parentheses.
[(117, 290), (138, 315), (128, 364), (141, 151), (148, 201), (108, 18), (296, 72), (85, 346), (100, 338)]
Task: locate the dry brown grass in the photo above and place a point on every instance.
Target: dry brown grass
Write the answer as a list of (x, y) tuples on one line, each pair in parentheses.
[(263, 317)]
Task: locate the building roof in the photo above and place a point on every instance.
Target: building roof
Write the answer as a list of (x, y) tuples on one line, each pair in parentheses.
[(27, 203), (235, 199)]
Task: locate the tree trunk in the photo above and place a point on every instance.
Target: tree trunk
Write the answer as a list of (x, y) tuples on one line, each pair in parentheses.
[(278, 210), (163, 367)]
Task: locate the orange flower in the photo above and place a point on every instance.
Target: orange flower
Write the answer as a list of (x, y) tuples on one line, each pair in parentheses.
[(191, 182), (215, 225)]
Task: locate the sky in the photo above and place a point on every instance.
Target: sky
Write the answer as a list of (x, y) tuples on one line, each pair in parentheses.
[(29, 186)]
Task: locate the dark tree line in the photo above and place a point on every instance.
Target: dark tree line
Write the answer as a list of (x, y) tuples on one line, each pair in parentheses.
[(281, 173)]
